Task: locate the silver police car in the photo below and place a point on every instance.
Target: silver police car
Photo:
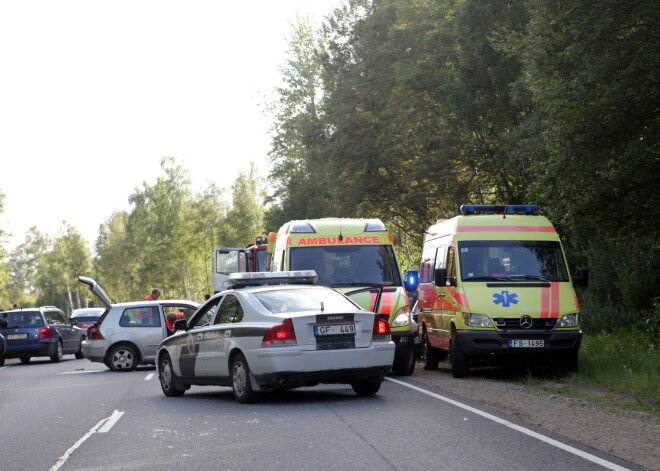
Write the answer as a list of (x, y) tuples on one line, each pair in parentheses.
[(263, 335)]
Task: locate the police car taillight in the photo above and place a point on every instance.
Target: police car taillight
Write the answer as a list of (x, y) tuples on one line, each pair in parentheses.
[(381, 329), (281, 335)]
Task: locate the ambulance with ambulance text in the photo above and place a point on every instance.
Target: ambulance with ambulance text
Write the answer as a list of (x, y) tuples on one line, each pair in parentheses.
[(355, 257), (494, 284)]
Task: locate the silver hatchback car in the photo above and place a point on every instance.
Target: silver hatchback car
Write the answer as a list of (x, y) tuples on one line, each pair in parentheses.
[(128, 334)]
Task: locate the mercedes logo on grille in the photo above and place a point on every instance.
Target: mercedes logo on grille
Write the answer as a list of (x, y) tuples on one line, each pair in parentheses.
[(525, 322)]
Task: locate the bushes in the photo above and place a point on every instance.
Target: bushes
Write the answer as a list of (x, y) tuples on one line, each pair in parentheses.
[(624, 280)]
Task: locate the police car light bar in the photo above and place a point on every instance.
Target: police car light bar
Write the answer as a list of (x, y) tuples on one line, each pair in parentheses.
[(240, 280), (468, 209)]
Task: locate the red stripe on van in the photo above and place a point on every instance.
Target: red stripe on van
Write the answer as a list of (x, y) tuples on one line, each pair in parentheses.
[(577, 302), (505, 229), (372, 307), (386, 303), (461, 298), (545, 302), (555, 300)]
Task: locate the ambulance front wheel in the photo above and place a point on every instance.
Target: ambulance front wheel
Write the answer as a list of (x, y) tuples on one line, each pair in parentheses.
[(569, 362), (460, 362), (406, 365)]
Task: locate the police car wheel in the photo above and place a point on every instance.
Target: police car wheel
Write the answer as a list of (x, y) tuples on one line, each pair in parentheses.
[(460, 362), (240, 380), (168, 380), (366, 387)]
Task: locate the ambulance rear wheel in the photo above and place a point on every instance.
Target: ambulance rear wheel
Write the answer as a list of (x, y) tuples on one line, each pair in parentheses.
[(431, 354), (460, 362)]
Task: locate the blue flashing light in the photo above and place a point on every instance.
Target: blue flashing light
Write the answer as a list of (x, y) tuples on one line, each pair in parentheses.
[(411, 281), (470, 209)]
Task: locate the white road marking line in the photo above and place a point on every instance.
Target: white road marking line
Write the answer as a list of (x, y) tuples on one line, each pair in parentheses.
[(93, 430), (80, 372), (149, 376), (538, 436), (112, 420)]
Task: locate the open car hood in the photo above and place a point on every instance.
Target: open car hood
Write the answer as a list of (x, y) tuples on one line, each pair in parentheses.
[(95, 288)]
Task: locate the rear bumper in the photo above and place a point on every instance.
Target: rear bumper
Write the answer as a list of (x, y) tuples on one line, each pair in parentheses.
[(479, 343), (44, 348), (95, 350), (290, 367)]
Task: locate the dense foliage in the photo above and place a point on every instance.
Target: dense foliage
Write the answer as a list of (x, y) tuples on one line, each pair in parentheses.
[(414, 107), (404, 110)]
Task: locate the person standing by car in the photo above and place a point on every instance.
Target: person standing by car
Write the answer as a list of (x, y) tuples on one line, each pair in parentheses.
[(155, 294)]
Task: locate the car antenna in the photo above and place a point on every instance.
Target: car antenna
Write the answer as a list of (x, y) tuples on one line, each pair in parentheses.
[(322, 307), (341, 237)]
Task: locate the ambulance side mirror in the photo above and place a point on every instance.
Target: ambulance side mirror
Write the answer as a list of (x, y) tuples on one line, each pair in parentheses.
[(582, 278), (441, 278)]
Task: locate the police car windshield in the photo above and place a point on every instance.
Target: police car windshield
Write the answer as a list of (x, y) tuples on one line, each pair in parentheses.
[(511, 260), (304, 299), (349, 265)]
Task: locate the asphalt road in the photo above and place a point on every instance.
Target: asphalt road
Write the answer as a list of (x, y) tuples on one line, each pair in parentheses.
[(78, 415)]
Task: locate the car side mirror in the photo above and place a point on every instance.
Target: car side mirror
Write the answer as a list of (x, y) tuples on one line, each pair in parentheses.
[(582, 278), (181, 324)]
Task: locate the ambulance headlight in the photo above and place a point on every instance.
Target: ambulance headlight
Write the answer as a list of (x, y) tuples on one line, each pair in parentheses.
[(569, 320), (402, 317), (477, 320)]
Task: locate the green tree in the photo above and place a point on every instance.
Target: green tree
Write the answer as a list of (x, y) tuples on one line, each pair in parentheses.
[(245, 219), (300, 178), (59, 267), (25, 262)]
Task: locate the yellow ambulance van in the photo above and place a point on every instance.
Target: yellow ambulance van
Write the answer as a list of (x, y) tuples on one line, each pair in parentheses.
[(355, 257), (494, 284)]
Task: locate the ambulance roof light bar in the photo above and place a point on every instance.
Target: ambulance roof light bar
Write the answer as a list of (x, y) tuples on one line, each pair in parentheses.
[(242, 280), (302, 227), (470, 209), (374, 225)]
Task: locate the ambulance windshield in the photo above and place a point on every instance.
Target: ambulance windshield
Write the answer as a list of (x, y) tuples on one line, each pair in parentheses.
[(512, 260), (349, 265)]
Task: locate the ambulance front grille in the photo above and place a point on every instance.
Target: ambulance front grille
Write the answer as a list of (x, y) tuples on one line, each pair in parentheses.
[(514, 324)]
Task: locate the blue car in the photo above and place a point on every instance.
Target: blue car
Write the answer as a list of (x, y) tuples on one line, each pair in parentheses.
[(3, 349), (38, 332)]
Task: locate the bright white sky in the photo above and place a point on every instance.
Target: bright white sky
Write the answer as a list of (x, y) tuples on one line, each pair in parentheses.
[(94, 93)]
